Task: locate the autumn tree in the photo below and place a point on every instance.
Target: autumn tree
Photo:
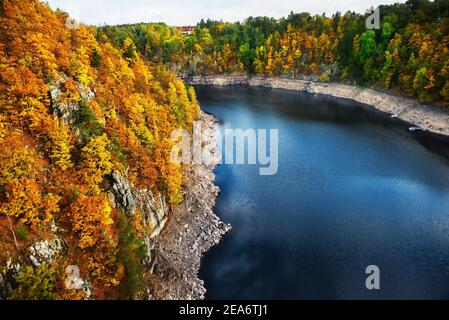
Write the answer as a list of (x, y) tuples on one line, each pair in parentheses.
[(96, 162), (91, 218)]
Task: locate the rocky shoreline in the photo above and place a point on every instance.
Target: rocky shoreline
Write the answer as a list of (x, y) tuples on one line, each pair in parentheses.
[(192, 229), (424, 117)]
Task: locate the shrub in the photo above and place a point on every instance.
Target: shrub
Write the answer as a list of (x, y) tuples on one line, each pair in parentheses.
[(86, 122), (22, 232), (131, 254), (36, 284)]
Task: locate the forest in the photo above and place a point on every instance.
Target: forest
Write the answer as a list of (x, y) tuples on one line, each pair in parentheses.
[(408, 55), (72, 111)]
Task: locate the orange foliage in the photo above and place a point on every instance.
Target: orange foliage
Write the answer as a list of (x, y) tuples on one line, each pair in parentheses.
[(49, 166), (90, 216)]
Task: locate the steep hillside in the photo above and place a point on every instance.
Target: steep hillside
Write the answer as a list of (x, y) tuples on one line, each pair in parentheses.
[(86, 179)]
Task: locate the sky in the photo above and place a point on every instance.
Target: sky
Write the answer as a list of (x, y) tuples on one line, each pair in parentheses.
[(177, 12)]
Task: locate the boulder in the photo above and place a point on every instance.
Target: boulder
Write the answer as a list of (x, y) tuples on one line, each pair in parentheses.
[(44, 251)]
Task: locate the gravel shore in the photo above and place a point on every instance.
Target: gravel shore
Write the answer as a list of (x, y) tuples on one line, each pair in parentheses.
[(191, 230)]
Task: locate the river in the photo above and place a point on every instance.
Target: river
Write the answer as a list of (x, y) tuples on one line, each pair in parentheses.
[(354, 188)]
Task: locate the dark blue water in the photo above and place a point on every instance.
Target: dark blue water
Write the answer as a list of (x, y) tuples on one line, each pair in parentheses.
[(354, 188)]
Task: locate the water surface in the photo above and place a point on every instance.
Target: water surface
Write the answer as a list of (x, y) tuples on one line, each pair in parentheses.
[(354, 188)]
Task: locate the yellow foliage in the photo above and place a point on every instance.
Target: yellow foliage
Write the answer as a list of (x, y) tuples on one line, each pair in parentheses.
[(90, 215), (79, 66), (16, 163), (2, 128), (24, 201), (97, 162), (144, 134), (61, 146), (174, 183)]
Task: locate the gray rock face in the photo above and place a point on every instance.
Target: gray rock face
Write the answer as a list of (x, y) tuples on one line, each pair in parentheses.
[(154, 209), (7, 278), (121, 190), (73, 281), (66, 110), (44, 251)]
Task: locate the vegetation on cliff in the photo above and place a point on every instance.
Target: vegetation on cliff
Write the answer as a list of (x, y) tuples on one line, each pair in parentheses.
[(73, 109)]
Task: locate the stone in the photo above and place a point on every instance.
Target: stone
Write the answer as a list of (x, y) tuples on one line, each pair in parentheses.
[(7, 278), (44, 251), (66, 110), (154, 209), (121, 191), (34, 261)]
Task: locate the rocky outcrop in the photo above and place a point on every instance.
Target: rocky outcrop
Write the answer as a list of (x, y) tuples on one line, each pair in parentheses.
[(39, 253), (8, 278), (63, 109), (177, 241), (154, 209), (122, 193), (45, 251), (425, 117), (73, 281)]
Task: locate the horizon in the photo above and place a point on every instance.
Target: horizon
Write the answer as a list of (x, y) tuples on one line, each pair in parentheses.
[(114, 12)]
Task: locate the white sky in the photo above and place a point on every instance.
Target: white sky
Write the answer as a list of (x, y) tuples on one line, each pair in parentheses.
[(176, 12)]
